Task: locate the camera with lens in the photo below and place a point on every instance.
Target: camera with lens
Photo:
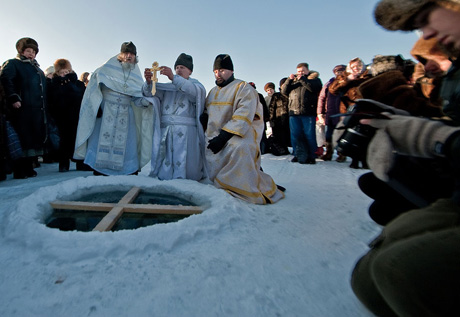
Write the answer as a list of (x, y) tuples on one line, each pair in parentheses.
[(355, 139), (420, 180)]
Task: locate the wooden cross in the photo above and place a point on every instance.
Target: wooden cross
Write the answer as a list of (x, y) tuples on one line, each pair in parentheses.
[(115, 211), (154, 70)]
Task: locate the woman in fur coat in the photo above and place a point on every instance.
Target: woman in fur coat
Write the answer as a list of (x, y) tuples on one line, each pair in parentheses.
[(65, 93), (25, 92)]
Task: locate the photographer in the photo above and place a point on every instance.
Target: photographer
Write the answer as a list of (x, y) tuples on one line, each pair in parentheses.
[(303, 89), (390, 86), (413, 267)]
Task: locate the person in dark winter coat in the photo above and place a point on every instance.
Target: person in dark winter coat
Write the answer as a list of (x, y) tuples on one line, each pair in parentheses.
[(65, 93), (413, 267), (25, 91), (3, 147), (329, 105), (278, 109), (391, 87), (302, 90), (264, 147)]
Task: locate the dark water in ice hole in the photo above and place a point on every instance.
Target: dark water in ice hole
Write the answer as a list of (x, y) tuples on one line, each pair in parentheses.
[(68, 220)]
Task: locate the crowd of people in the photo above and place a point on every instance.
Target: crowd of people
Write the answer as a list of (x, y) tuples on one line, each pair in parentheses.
[(112, 122), (115, 123), (60, 117), (304, 115)]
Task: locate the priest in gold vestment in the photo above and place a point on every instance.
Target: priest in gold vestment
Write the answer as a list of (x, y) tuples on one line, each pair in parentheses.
[(233, 132)]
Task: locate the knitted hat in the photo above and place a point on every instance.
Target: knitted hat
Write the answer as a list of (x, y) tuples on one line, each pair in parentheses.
[(385, 63), (185, 60), (399, 14), (61, 64), (223, 61), (128, 47), (26, 42), (49, 70), (269, 85), (339, 68)]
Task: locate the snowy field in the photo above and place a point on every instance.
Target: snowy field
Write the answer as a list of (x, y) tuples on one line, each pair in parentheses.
[(293, 258)]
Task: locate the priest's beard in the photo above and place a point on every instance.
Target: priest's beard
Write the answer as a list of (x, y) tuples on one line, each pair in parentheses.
[(127, 65)]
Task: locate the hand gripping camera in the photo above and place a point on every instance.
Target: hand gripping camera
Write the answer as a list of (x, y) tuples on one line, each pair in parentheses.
[(355, 139), (420, 180)]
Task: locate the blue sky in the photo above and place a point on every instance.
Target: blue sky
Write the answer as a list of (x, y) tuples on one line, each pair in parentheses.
[(266, 39)]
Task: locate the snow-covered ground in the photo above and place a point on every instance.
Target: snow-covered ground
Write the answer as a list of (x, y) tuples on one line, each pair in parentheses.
[(292, 258)]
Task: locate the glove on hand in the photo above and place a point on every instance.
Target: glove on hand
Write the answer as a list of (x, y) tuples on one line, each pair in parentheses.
[(217, 143), (204, 120), (406, 135)]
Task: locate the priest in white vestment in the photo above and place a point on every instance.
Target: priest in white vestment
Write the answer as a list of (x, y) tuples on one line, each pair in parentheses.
[(180, 153), (115, 128), (234, 130)]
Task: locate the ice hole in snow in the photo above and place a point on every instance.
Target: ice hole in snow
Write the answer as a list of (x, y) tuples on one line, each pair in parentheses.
[(119, 210)]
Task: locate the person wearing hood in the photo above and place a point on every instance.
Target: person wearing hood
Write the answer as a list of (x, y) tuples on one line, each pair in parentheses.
[(434, 62), (413, 266), (26, 100)]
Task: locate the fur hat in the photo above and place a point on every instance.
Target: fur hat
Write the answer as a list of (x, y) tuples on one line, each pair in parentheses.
[(399, 14), (223, 61), (269, 85), (62, 64), (385, 63), (26, 42), (128, 47), (427, 49), (185, 60)]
